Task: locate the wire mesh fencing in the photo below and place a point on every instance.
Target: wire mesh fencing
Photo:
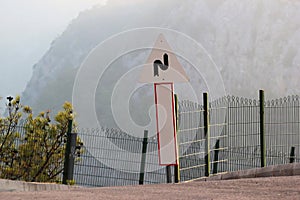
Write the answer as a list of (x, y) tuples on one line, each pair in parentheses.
[(233, 142), (113, 158), (224, 136), (242, 128), (191, 139), (282, 129), (218, 139)]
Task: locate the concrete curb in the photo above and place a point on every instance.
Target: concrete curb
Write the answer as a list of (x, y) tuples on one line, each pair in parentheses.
[(276, 170), (18, 186)]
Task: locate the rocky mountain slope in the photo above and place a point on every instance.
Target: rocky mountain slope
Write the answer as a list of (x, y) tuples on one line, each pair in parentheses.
[(255, 44)]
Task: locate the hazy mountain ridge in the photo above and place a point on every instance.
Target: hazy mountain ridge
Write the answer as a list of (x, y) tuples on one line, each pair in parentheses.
[(255, 44), (82, 35)]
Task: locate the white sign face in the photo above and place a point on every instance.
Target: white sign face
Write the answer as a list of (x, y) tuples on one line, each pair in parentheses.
[(162, 65), (163, 69), (166, 123)]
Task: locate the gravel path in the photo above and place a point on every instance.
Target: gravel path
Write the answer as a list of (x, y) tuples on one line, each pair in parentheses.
[(287, 187)]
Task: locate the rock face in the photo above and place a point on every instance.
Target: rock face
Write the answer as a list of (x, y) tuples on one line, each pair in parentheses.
[(255, 44)]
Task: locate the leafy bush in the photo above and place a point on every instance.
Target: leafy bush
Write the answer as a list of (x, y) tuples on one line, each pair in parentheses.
[(33, 150)]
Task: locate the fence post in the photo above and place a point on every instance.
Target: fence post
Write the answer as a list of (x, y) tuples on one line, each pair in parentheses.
[(216, 157), (262, 128), (143, 161), (176, 167), (292, 155), (69, 154), (169, 174), (207, 134)]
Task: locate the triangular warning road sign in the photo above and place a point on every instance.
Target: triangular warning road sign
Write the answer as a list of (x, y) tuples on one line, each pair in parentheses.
[(162, 65)]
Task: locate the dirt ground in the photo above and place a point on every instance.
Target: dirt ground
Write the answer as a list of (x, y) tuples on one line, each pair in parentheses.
[(257, 188)]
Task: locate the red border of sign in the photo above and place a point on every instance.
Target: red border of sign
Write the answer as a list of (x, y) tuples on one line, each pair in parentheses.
[(174, 123)]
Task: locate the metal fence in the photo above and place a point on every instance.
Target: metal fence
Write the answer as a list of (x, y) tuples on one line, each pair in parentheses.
[(243, 130), (195, 146), (217, 137), (233, 142), (282, 129), (113, 158), (236, 127)]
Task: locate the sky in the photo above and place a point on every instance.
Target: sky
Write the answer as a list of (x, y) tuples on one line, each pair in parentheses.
[(27, 28)]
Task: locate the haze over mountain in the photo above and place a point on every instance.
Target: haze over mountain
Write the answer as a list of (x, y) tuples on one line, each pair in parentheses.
[(255, 44)]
